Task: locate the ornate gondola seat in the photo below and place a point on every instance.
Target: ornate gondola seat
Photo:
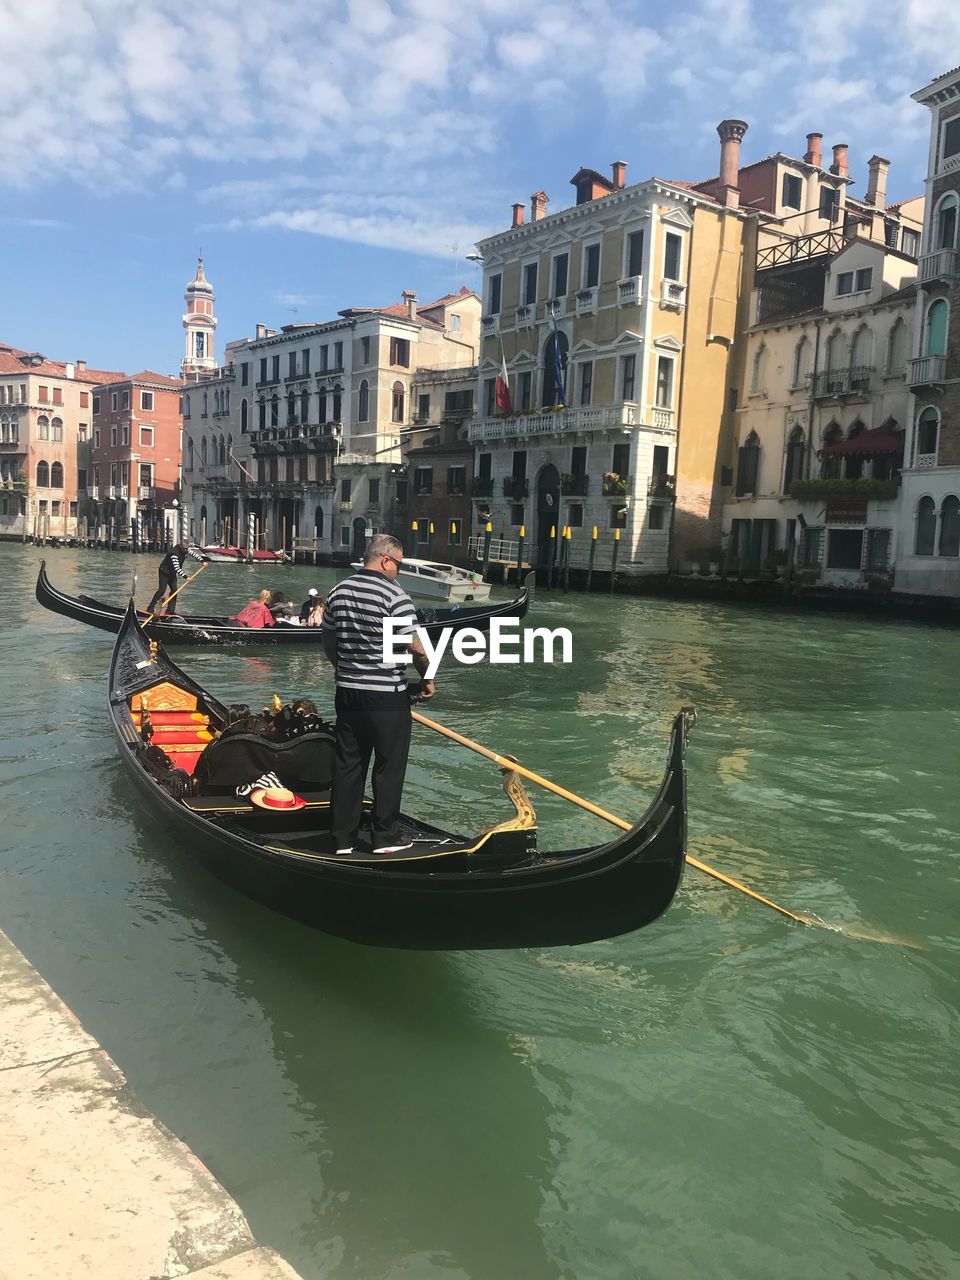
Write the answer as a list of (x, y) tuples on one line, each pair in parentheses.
[(304, 763)]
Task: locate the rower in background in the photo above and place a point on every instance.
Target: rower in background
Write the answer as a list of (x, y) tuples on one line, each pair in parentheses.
[(172, 568)]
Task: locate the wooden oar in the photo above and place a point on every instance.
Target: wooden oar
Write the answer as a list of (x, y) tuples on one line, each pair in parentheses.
[(150, 616), (507, 762)]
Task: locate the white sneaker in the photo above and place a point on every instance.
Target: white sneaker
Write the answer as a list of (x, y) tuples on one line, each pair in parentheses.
[(394, 848), (350, 850)]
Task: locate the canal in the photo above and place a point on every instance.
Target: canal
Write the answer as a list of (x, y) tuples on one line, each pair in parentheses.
[(721, 1094)]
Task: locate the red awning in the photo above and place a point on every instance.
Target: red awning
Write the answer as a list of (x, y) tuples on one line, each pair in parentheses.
[(868, 444)]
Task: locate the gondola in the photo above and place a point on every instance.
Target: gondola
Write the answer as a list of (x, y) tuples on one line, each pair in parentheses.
[(200, 629), (447, 892)]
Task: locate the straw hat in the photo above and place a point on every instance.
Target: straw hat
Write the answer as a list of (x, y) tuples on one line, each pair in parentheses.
[(276, 799)]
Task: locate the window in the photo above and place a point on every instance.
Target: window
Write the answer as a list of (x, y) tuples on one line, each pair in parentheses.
[(455, 533), (519, 464), (400, 352), (401, 493), (528, 295), (125, 400), (56, 430), (457, 480), (586, 382), (363, 402), (82, 432), (275, 368), (655, 516), (945, 231), (423, 533), (96, 437), (346, 488), (759, 370), (897, 348), (575, 515), (263, 369), (950, 139), (949, 526), (322, 405), (291, 364), (485, 466), (861, 353), (344, 535), (878, 550), (43, 475), (398, 402), (490, 396), (801, 363), (96, 406), (56, 476), (113, 437), (829, 203), (338, 355), (634, 264), (374, 486), (423, 408), (525, 390), (516, 514), (591, 266), (244, 374), (422, 481), (928, 426), (618, 516), (854, 281), (274, 410), (792, 191), (673, 247), (244, 417), (304, 406), (324, 358), (125, 433), (338, 403), (664, 382), (560, 266), (748, 465), (455, 323), (795, 456), (146, 475), (365, 350), (864, 280), (43, 395), (910, 242), (494, 288), (844, 282), (628, 374), (844, 548), (84, 399), (146, 400), (936, 335)]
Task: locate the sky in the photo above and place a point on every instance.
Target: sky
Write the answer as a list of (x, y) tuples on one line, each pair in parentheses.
[(331, 153)]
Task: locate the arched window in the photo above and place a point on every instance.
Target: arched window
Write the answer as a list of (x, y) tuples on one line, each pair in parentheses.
[(229, 448), (758, 379), (834, 351), (830, 466), (43, 427), (926, 527), (801, 363), (56, 475), (263, 415), (223, 451), (323, 404), (853, 466), (551, 388), (337, 402), (861, 353), (793, 470), (226, 400), (363, 402), (291, 408), (186, 406), (243, 417), (897, 347), (950, 526), (936, 329), (203, 451), (318, 522), (204, 409), (189, 453), (304, 406), (928, 429), (945, 222), (748, 465), (398, 402), (4, 428), (274, 410), (43, 476)]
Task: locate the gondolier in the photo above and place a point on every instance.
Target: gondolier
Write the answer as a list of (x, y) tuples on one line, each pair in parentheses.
[(171, 568), (373, 709)]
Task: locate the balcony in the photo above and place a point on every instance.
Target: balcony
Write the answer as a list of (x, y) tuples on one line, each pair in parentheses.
[(345, 505), (488, 324), (123, 492), (219, 472), (800, 249), (833, 383), (673, 295), (109, 492), (526, 316), (629, 291), (11, 444), (554, 308), (925, 461), (93, 491), (661, 417), (927, 371), (587, 300), (555, 421), (662, 486), (939, 265), (146, 493), (516, 487), (613, 485), (838, 487), (574, 486), (482, 486)]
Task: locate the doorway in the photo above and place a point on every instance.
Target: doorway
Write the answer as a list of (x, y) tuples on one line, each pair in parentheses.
[(548, 512)]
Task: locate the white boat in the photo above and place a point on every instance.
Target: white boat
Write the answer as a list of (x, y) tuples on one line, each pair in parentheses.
[(238, 555), (434, 581)]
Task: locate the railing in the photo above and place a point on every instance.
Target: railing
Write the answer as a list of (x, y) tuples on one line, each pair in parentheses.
[(948, 165), (926, 371), (662, 417), (660, 486), (586, 300), (800, 249), (488, 324), (146, 493), (673, 294), (502, 550), (926, 460), (93, 491), (842, 382), (516, 487), (482, 487), (219, 471), (939, 265), (109, 491), (614, 486), (345, 505), (628, 290), (526, 315), (10, 444), (124, 491), (574, 486), (555, 307), (627, 414)]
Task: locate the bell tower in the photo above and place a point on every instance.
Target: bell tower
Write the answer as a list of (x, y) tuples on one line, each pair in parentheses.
[(199, 324)]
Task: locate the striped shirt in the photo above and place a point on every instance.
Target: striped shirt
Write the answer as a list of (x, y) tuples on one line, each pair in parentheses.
[(355, 612), (171, 563)]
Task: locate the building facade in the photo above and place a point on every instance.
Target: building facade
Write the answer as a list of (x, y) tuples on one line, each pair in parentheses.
[(616, 319), (440, 463), (133, 467), (930, 506), (46, 412)]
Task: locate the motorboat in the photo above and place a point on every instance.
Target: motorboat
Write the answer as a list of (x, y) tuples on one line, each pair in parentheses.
[(432, 580)]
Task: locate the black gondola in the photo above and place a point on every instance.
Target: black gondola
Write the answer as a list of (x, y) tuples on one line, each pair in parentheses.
[(447, 892), (200, 629)]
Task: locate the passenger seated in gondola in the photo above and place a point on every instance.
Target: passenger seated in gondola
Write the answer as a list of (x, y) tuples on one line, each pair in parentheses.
[(255, 613), (308, 606), (283, 610)]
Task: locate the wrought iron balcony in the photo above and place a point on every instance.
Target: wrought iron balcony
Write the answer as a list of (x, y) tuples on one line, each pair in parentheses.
[(800, 249), (831, 383), (927, 371)]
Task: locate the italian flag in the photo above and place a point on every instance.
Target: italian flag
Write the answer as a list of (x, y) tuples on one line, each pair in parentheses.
[(504, 403)]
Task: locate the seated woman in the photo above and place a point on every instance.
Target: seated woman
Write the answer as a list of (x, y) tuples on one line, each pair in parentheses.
[(283, 610), (315, 616), (256, 613)]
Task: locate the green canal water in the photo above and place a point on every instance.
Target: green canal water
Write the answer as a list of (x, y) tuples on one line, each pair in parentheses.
[(724, 1094)]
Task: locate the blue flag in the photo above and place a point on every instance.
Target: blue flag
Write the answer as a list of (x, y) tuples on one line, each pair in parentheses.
[(561, 393)]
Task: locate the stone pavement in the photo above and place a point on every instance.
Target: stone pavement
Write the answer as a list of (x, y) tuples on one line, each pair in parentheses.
[(90, 1183)]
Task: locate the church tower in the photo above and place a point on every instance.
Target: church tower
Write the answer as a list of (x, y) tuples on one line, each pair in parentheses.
[(199, 325)]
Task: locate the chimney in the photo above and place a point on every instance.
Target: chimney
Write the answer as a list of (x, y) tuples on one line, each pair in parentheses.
[(877, 183), (839, 166), (70, 369), (619, 170), (731, 135), (81, 366), (410, 298), (261, 330), (538, 205), (518, 215), (813, 154)]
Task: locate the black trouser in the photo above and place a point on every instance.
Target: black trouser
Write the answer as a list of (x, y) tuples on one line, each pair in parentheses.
[(168, 582), (368, 724)]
